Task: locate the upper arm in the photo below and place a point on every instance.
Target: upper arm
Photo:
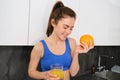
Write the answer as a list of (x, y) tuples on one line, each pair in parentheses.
[(72, 45), (36, 54)]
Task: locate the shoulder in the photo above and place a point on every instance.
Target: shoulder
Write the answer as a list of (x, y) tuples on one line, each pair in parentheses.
[(72, 42), (38, 46), (38, 49)]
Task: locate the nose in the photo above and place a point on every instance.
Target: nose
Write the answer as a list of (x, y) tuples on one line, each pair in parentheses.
[(68, 31)]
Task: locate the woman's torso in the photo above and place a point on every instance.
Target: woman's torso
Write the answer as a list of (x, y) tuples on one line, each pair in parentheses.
[(50, 57)]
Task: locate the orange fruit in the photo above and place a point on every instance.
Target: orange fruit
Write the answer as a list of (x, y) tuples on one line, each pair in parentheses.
[(87, 38)]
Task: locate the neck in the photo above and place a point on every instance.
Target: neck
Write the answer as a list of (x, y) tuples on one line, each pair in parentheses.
[(54, 38)]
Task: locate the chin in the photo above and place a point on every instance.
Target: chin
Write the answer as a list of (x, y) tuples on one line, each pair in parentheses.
[(64, 38)]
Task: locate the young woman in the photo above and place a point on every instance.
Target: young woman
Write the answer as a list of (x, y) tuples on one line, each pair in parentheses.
[(57, 47)]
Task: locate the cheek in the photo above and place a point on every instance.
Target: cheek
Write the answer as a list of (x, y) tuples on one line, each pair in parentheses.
[(60, 29), (70, 32)]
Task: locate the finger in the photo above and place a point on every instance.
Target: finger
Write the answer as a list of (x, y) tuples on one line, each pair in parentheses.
[(84, 49), (84, 45), (54, 79), (52, 76), (49, 76), (91, 45)]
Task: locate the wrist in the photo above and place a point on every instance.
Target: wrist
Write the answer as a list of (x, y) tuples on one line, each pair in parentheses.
[(45, 75), (75, 55)]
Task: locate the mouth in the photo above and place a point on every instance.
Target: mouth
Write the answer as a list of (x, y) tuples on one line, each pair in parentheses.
[(64, 36)]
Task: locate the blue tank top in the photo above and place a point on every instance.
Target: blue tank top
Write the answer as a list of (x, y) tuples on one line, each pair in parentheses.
[(50, 58)]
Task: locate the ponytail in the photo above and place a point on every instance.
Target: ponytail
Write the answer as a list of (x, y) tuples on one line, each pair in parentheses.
[(59, 11)]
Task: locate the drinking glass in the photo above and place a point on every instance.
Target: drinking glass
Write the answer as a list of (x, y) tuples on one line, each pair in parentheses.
[(57, 69)]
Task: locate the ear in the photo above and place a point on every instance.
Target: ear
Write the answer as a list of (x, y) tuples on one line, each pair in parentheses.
[(53, 23)]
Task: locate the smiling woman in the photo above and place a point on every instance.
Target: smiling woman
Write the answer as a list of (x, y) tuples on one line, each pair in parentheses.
[(39, 15), (57, 47)]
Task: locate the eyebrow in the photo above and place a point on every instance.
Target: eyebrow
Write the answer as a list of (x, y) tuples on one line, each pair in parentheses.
[(68, 25)]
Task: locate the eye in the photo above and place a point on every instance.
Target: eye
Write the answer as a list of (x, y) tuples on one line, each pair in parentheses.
[(71, 28), (65, 26)]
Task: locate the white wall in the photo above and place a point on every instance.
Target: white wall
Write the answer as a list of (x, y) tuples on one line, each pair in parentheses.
[(14, 22), (39, 14), (24, 22), (101, 18)]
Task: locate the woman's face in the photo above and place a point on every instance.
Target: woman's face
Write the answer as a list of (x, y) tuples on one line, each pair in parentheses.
[(64, 27)]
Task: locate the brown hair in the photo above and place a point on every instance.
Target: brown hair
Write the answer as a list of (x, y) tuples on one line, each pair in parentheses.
[(59, 11)]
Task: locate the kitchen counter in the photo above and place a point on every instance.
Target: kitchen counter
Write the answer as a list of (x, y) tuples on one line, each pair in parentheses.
[(87, 77), (101, 76)]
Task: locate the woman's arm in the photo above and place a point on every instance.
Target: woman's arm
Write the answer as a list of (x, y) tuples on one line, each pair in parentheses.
[(74, 68), (36, 54), (75, 51)]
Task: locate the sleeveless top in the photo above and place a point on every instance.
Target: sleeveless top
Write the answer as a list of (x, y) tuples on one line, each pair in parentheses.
[(49, 58)]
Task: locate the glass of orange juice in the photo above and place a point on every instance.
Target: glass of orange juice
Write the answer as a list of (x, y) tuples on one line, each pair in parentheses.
[(57, 69)]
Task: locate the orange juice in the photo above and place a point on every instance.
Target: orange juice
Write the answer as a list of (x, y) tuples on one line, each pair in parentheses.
[(57, 72)]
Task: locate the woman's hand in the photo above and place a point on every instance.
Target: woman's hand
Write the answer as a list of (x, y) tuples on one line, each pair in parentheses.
[(83, 48), (51, 76)]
